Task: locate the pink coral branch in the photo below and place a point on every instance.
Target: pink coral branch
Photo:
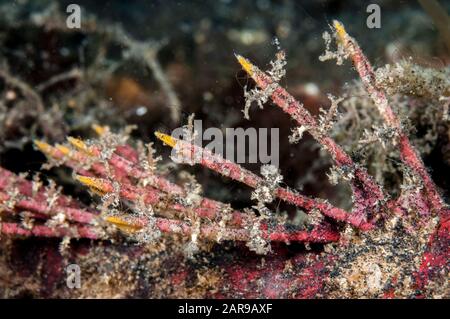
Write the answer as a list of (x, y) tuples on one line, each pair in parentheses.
[(281, 235), (9, 180), (37, 202), (123, 169), (208, 208), (320, 234), (367, 193), (236, 172), (153, 197), (409, 155), (82, 218), (45, 231), (25, 202), (161, 201), (43, 211)]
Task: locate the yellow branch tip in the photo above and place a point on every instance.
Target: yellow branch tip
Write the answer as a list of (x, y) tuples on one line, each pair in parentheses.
[(100, 130), (246, 64), (43, 147), (95, 184), (63, 149), (167, 139), (340, 30), (79, 144), (122, 224)]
